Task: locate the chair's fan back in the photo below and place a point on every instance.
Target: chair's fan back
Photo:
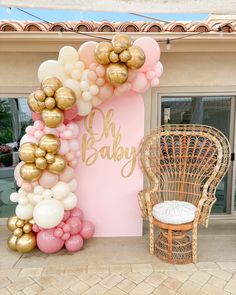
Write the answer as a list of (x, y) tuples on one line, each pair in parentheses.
[(184, 161)]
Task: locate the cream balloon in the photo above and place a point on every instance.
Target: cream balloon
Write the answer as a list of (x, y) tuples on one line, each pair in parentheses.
[(73, 85), (48, 213), (84, 107), (51, 68), (61, 190), (24, 211), (68, 55), (70, 202), (96, 101), (73, 185)]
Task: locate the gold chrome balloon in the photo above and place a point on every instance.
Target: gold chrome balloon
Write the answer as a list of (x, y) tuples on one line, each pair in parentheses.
[(41, 163), (31, 221), (121, 42), (58, 165), (117, 73), (26, 243), (102, 52), (27, 228), (124, 56), (20, 223), (50, 143), (65, 98), (11, 242), (18, 232), (39, 95), (39, 152), (29, 172), (11, 223), (50, 158), (52, 118), (34, 104), (137, 58), (50, 103), (50, 85), (114, 57), (27, 152)]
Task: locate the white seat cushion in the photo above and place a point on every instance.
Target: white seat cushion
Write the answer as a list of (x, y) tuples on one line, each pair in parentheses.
[(174, 212)]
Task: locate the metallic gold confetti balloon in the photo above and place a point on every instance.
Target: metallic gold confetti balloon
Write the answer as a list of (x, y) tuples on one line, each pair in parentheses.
[(26, 243), (117, 73), (39, 95), (52, 118), (121, 42), (18, 232), (58, 165), (65, 98), (137, 58), (39, 152), (34, 104), (102, 52), (41, 163), (20, 223), (114, 57), (50, 143), (124, 56), (50, 103), (11, 223), (50, 85), (50, 158), (11, 242), (27, 228), (27, 152), (29, 172)]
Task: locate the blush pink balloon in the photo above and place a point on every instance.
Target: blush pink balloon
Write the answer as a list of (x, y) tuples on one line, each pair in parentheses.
[(58, 232), (75, 224), (34, 183), (39, 134), (73, 163), (30, 130), (86, 53), (66, 215), (93, 66), (74, 145), (151, 50), (78, 118), (139, 83), (64, 148), (66, 228), (74, 243), (35, 228), (77, 212), (48, 130), (48, 180), (155, 82), (105, 92), (65, 236), (87, 230), (70, 156), (47, 242), (67, 175), (100, 82), (39, 125), (17, 170), (36, 116), (92, 76), (19, 182), (158, 69), (28, 138), (27, 187), (71, 113)]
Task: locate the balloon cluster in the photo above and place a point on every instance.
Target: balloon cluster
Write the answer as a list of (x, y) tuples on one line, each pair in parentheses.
[(40, 157), (51, 100), (22, 238)]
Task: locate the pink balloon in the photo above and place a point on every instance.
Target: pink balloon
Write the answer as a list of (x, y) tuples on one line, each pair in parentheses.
[(151, 50), (27, 187), (67, 134), (77, 212), (70, 156), (47, 242), (155, 82), (39, 134), (19, 182), (75, 243), (158, 69), (150, 75), (100, 71), (73, 163), (78, 118), (64, 148), (30, 130), (58, 232), (35, 228), (65, 236), (28, 138), (87, 230), (92, 76), (48, 180), (17, 170), (105, 92), (100, 81), (39, 125), (74, 144), (75, 225), (66, 215), (71, 113), (67, 175), (139, 83), (132, 75), (36, 116), (86, 53), (66, 228), (34, 183), (93, 66), (61, 128), (48, 130)]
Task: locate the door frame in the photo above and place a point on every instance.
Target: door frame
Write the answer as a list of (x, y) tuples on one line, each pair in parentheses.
[(156, 96)]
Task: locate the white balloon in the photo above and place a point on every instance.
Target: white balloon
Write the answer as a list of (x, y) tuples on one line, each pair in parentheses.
[(96, 101), (37, 199), (73, 85), (48, 213), (76, 74), (94, 89), (21, 192), (68, 68), (47, 194), (87, 96), (84, 107), (14, 197), (24, 211), (23, 200), (70, 202), (31, 197), (51, 68), (80, 65), (85, 75), (38, 190), (84, 85), (61, 190), (68, 54), (73, 185)]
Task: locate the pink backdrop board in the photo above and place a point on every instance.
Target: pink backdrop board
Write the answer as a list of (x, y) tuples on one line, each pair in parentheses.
[(108, 173)]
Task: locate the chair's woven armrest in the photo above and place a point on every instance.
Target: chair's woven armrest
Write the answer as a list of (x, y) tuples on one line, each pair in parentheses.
[(147, 199), (204, 209)]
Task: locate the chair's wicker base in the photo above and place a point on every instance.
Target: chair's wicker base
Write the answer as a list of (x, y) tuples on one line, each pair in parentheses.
[(181, 250)]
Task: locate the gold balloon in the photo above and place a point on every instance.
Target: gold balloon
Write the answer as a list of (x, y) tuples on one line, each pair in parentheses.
[(50, 143), (34, 104), (12, 242), (18, 232), (26, 243), (39, 152), (27, 228), (31, 221), (124, 56), (50, 85), (102, 52), (121, 42), (29, 172), (20, 223), (52, 118), (39, 95), (41, 163), (50, 158), (114, 57), (137, 58), (65, 98), (27, 152), (11, 223), (58, 165), (50, 103), (117, 73)]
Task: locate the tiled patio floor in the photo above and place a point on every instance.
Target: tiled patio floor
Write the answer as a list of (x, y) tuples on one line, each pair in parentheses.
[(123, 266)]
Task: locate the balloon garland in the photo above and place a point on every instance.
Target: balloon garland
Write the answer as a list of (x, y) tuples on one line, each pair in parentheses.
[(47, 215)]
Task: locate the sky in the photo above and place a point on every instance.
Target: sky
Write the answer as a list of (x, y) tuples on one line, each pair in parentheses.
[(67, 15)]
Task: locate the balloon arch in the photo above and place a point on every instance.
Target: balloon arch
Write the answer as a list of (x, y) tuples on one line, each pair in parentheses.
[(47, 215)]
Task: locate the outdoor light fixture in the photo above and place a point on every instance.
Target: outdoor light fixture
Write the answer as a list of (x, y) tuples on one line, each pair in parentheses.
[(168, 45)]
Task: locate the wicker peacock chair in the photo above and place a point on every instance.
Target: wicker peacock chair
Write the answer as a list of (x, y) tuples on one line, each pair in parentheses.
[(182, 163)]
